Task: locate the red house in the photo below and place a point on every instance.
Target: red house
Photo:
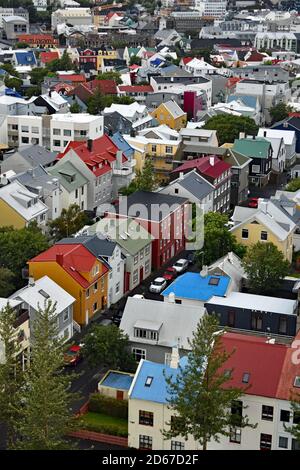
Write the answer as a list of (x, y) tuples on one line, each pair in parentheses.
[(161, 215)]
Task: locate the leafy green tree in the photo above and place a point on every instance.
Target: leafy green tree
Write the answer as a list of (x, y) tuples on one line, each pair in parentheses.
[(108, 345), (293, 185), (9, 68), (135, 60), (75, 108), (201, 394), (295, 428), (218, 240), (64, 63), (46, 416), (33, 91), (110, 76), (265, 267), (95, 103), (145, 179), (228, 127), (18, 246), (70, 221), (11, 376), (37, 75), (22, 45), (6, 282), (13, 82), (279, 112)]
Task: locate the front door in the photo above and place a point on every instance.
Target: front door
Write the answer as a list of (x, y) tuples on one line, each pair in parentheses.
[(120, 395)]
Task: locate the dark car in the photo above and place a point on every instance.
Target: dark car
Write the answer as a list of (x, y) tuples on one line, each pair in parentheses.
[(169, 274), (117, 317), (73, 355), (191, 257)]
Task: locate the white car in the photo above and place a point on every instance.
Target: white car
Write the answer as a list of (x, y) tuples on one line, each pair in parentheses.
[(138, 296), (181, 265), (158, 285)]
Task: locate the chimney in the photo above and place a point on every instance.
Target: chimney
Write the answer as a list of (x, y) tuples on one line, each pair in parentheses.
[(181, 175), (253, 137), (60, 258), (31, 281), (171, 298), (174, 358), (204, 271), (119, 158), (212, 161), (89, 144), (262, 205), (285, 124), (242, 135), (265, 133)]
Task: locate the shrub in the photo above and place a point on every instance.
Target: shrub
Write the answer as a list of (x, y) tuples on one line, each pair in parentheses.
[(109, 406), (112, 429)]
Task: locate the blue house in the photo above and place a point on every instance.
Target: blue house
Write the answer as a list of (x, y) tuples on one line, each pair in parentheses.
[(292, 123), (193, 287), (26, 58)]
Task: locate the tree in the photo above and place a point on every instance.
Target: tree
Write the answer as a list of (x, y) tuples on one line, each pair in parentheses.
[(293, 185), (18, 246), (10, 69), (201, 394), (37, 75), (228, 127), (11, 376), (46, 415), (145, 179), (95, 103), (218, 240), (295, 429), (70, 221), (32, 91), (279, 112), (64, 63), (75, 108), (110, 76), (22, 45), (13, 82), (108, 345), (6, 282), (135, 60), (265, 267)]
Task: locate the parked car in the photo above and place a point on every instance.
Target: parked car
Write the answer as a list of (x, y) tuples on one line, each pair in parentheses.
[(253, 202), (181, 265), (73, 355), (117, 317), (138, 296), (105, 322), (158, 285), (169, 274)]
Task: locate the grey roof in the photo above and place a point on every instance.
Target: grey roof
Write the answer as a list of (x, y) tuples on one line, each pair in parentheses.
[(195, 184), (69, 176), (151, 201), (178, 321), (173, 108), (201, 148), (94, 243), (35, 178), (37, 155)]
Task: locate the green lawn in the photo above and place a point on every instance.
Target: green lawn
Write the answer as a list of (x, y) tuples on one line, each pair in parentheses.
[(104, 423)]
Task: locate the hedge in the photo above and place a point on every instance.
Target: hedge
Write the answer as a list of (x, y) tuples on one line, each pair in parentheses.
[(110, 406), (101, 425)]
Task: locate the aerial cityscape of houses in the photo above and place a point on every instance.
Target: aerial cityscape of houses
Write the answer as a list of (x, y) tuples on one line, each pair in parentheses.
[(117, 121)]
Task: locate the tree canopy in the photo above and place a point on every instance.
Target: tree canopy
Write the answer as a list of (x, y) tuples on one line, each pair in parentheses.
[(279, 112), (98, 101), (63, 63), (143, 181), (228, 127), (293, 185), (70, 221), (203, 400), (110, 76), (265, 267)]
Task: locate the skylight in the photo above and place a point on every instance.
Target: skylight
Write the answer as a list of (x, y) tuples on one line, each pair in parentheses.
[(214, 281), (246, 377), (148, 381), (44, 294), (297, 381)]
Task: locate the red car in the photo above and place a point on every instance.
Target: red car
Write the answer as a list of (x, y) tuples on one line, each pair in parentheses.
[(170, 274), (253, 202), (73, 355)]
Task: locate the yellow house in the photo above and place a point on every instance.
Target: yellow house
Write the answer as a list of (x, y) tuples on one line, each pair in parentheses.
[(108, 53), (171, 114), (79, 272), (19, 207), (264, 224)]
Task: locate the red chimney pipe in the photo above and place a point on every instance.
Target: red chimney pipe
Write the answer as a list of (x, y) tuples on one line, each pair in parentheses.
[(60, 258)]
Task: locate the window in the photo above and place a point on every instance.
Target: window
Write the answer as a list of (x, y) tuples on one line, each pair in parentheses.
[(169, 149), (256, 321), (24, 129), (66, 334), (295, 444), (135, 277), (255, 168), (67, 132), (66, 315), (283, 442), (246, 378), (147, 266), (282, 325), (76, 194), (168, 359), (214, 281), (235, 435), (95, 306), (139, 354), (135, 259), (265, 442), (153, 148), (285, 416), (267, 413), (95, 286), (264, 235), (296, 418), (147, 334), (56, 131), (25, 140), (231, 318), (297, 381), (245, 233), (145, 442), (176, 190), (146, 418), (56, 143), (177, 445), (142, 254), (117, 287), (35, 130), (87, 293), (96, 270), (82, 190)]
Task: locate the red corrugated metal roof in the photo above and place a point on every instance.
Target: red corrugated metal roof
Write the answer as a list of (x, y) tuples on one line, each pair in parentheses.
[(203, 165), (72, 77), (136, 88), (47, 57), (75, 259)]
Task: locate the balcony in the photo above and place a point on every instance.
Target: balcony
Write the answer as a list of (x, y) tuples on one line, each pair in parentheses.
[(124, 171)]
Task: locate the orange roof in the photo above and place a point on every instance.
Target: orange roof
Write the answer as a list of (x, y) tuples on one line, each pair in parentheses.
[(47, 57)]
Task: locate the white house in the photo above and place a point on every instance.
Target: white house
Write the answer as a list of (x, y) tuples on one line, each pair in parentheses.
[(289, 139), (199, 67), (136, 113), (264, 369)]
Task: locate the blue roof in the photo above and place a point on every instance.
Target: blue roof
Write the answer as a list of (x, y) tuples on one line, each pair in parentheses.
[(248, 100), (121, 143), (25, 58), (118, 381), (11, 92), (195, 287), (3, 72), (156, 62), (157, 391)]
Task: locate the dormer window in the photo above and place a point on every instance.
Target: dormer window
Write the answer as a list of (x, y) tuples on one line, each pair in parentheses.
[(297, 381), (96, 270)]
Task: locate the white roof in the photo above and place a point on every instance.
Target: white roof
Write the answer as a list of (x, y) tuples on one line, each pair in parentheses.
[(163, 131), (174, 109), (9, 19), (288, 136), (178, 322), (75, 117), (197, 132), (200, 64), (8, 100), (195, 125), (33, 295), (18, 197), (12, 303), (257, 302), (55, 99), (125, 109)]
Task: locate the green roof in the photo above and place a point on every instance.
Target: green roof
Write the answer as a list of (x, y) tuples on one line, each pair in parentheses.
[(131, 236), (253, 148), (70, 178)]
